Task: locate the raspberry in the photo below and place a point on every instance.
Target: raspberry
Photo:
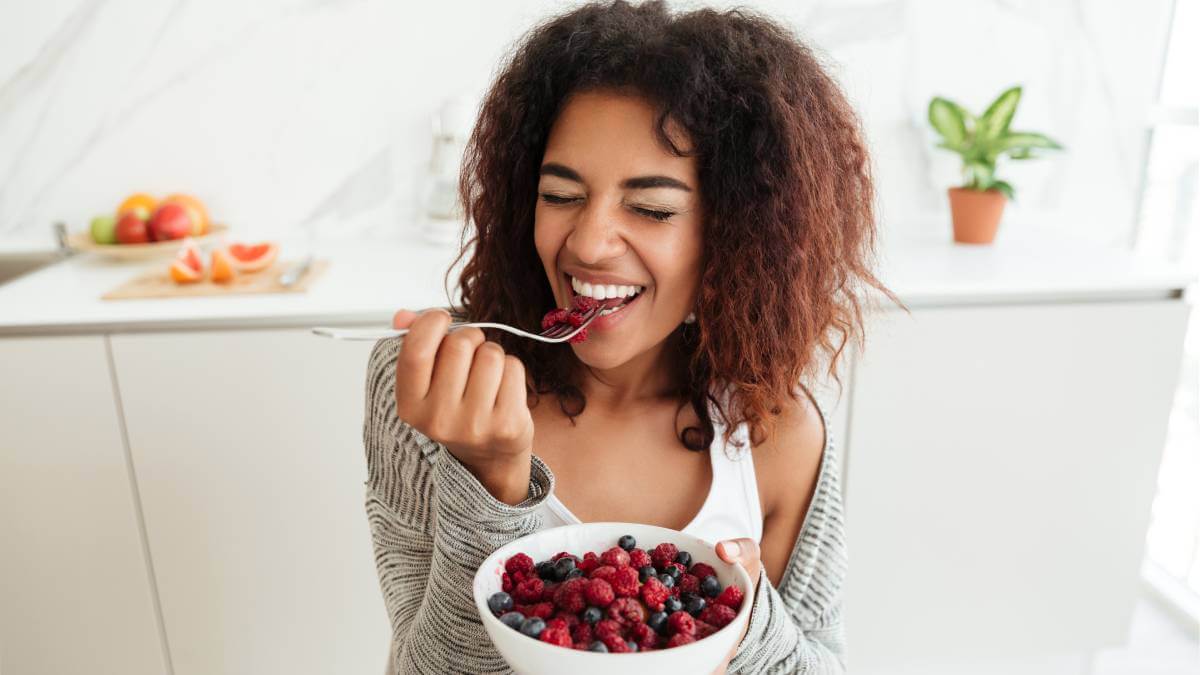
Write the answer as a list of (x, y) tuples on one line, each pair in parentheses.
[(644, 636), (519, 563), (579, 337), (542, 610), (569, 620), (582, 633), (606, 627), (717, 615), (679, 639), (554, 316), (703, 629), (590, 562), (639, 558), (628, 612), (556, 621), (575, 319), (615, 643), (625, 582), (581, 646), (562, 554), (682, 622), (731, 597), (529, 590), (616, 557), (689, 583), (584, 304), (605, 572), (662, 554), (598, 592), (569, 595), (701, 570), (556, 635), (506, 583), (654, 594)]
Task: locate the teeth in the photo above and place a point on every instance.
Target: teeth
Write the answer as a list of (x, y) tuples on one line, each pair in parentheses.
[(605, 291)]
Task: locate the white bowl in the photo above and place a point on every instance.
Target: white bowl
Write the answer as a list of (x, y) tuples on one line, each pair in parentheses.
[(528, 656)]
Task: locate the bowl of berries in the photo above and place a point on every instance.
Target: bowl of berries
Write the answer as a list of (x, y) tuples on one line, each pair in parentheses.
[(591, 597)]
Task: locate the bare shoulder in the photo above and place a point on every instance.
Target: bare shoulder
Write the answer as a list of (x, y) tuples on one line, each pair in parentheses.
[(787, 462), (787, 465)]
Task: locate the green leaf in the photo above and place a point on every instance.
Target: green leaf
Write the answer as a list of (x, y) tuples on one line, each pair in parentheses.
[(1004, 187), (946, 118), (999, 114), (979, 175), (1025, 140)]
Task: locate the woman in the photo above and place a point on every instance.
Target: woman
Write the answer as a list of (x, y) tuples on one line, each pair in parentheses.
[(706, 165)]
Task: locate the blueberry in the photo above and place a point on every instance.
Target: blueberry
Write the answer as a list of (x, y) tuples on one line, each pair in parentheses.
[(627, 542), (667, 580), (694, 604), (646, 572), (632, 645), (684, 558), (575, 573), (597, 646), (563, 567), (674, 572), (545, 569), (672, 605), (592, 615), (533, 626), (710, 587), (658, 622), (500, 602), (513, 620)]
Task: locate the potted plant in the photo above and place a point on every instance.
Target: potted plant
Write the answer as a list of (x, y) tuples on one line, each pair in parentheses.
[(975, 207)]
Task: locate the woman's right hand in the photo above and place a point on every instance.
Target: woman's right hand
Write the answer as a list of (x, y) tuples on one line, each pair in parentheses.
[(467, 394)]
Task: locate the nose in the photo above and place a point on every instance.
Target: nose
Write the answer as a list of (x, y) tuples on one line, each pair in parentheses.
[(596, 236)]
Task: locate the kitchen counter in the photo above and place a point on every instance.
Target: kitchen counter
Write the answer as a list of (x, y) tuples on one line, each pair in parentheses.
[(369, 280)]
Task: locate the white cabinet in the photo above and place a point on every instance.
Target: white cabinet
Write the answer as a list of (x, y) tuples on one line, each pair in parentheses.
[(249, 457), (1000, 470), (75, 592)]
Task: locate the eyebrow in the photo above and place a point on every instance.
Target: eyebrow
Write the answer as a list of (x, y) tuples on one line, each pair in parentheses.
[(636, 183)]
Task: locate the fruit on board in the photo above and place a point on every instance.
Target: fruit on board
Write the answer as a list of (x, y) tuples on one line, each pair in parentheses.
[(188, 266), (222, 270), (104, 229), (171, 221), (200, 223), (253, 257), (140, 203), (131, 229)]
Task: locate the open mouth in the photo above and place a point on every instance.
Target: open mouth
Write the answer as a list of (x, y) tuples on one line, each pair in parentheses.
[(624, 295)]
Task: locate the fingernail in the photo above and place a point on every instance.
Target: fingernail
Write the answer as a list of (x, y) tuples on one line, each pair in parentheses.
[(732, 549)]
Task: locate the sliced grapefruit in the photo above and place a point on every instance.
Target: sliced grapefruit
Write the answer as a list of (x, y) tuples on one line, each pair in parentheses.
[(196, 208), (222, 266), (188, 266), (253, 257)]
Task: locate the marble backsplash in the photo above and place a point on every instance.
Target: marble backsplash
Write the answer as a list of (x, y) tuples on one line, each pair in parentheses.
[(288, 116)]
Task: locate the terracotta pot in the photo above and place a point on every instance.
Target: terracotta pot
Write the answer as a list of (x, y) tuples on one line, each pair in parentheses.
[(976, 214)]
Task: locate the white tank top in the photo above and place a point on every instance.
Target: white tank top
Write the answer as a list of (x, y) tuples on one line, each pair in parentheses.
[(732, 508)]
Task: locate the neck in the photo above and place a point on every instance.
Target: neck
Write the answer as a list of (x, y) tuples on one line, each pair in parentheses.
[(648, 376)]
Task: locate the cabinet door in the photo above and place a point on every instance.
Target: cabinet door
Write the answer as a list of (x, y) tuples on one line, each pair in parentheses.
[(1001, 468), (248, 450), (75, 593)]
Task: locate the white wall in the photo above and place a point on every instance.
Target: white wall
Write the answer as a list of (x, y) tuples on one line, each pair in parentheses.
[(283, 114)]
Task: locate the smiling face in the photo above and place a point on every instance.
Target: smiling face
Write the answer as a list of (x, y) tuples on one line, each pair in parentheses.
[(615, 208)]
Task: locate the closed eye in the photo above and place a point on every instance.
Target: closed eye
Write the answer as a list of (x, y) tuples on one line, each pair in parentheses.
[(649, 213)]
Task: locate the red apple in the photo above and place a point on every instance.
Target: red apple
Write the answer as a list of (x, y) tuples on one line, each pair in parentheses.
[(131, 229), (170, 221)]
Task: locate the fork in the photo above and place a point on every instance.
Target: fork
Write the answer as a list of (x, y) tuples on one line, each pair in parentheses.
[(554, 334)]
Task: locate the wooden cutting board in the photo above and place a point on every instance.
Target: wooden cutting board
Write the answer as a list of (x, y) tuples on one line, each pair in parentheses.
[(157, 283)]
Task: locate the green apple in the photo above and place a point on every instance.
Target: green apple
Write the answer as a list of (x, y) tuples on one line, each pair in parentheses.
[(104, 229)]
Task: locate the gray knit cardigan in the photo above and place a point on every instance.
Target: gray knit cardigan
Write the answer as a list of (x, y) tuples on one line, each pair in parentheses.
[(432, 524)]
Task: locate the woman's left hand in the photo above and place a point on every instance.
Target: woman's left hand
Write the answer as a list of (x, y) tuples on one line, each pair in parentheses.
[(744, 551)]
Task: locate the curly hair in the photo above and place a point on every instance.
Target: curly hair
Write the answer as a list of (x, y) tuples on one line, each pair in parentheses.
[(785, 182)]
